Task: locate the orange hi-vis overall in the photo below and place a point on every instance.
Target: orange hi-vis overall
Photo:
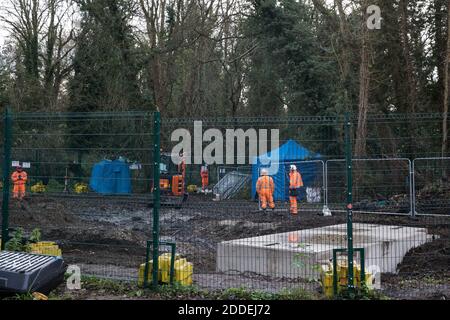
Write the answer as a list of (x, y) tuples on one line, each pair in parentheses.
[(205, 177), (265, 188), (19, 180), (295, 182)]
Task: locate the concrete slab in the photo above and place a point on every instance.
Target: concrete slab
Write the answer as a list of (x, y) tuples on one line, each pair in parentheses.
[(274, 255)]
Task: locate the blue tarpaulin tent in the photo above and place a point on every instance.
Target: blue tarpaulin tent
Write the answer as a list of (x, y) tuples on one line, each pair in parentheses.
[(111, 177), (289, 153)]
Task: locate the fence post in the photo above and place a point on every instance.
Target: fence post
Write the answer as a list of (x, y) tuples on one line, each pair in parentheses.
[(324, 183), (6, 178), (413, 188), (156, 192), (348, 157)]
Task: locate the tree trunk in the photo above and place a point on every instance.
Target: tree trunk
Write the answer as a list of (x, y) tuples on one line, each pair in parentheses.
[(346, 37), (446, 86), (411, 81), (364, 85), (439, 46), (406, 47)]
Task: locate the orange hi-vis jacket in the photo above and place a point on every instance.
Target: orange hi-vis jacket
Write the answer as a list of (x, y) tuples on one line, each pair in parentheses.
[(265, 183), (204, 172), (295, 180), (15, 178)]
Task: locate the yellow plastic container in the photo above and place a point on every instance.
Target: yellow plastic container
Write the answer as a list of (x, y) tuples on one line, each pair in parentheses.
[(342, 277), (327, 284), (369, 281), (46, 243), (192, 188), (183, 272), (39, 296), (81, 188), (46, 248), (142, 272), (326, 277), (38, 188), (164, 267), (342, 271)]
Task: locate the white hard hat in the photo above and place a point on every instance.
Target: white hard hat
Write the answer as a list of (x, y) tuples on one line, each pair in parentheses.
[(264, 172), (293, 167)]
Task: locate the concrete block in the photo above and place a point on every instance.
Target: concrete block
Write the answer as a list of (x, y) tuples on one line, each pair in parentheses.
[(273, 255)]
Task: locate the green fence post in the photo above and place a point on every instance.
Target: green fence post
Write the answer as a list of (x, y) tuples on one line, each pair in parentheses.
[(173, 247), (348, 156), (147, 267), (6, 178), (156, 193)]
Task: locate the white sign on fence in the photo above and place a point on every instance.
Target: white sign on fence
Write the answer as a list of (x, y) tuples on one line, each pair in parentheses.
[(135, 166), (26, 165)]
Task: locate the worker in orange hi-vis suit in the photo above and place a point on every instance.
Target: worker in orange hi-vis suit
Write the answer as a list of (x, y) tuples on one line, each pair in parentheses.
[(265, 188), (19, 179), (295, 183), (205, 177)]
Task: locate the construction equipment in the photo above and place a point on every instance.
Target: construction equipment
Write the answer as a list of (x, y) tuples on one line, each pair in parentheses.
[(171, 181), (23, 272)]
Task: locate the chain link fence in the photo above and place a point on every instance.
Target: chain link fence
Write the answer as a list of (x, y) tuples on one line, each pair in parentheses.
[(144, 188), (89, 186)]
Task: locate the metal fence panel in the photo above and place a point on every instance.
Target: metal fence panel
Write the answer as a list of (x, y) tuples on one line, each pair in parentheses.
[(431, 186), (231, 242), (380, 186), (102, 231)]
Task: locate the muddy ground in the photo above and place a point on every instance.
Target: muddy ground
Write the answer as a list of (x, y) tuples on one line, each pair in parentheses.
[(106, 237)]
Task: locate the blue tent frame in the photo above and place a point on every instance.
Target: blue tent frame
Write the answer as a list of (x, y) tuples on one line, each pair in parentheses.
[(289, 153)]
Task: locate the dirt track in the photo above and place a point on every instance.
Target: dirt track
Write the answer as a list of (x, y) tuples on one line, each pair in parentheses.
[(107, 238)]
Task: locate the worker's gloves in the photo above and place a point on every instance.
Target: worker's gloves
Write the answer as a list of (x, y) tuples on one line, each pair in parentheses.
[(20, 177)]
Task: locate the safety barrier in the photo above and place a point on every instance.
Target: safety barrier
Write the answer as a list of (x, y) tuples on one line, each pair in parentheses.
[(380, 180), (404, 187), (230, 243), (432, 183)]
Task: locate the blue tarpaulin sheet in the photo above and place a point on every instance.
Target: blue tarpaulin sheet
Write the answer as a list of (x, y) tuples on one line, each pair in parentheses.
[(111, 177), (289, 153)]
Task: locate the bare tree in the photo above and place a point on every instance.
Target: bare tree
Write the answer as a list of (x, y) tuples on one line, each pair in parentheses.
[(364, 87), (58, 47), (446, 87), (43, 46), (154, 12)]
